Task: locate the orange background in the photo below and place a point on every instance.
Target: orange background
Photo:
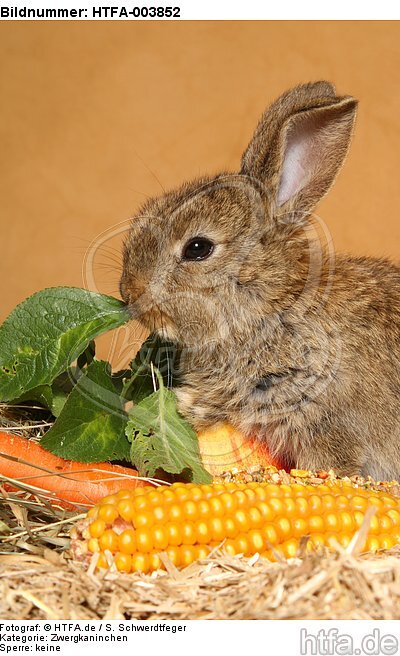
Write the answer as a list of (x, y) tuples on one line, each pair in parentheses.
[(94, 116)]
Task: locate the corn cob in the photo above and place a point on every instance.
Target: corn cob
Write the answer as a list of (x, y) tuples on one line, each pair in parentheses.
[(186, 521)]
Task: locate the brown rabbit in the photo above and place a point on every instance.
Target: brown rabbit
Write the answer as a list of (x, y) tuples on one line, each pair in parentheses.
[(277, 337)]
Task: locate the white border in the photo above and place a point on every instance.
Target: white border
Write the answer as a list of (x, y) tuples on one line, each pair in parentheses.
[(217, 10)]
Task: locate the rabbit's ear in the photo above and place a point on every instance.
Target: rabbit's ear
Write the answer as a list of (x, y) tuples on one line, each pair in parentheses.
[(299, 146)]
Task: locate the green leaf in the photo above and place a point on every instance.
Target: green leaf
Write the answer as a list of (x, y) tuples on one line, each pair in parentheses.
[(91, 426), (52, 397), (48, 331), (138, 385), (42, 394), (61, 388), (58, 402), (163, 356), (162, 439), (88, 355)]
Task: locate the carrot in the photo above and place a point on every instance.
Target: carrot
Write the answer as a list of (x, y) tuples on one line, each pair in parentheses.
[(222, 447), (67, 481)]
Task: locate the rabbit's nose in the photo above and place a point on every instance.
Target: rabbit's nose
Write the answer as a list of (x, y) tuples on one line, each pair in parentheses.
[(130, 292), (123, 290), (133, 288)]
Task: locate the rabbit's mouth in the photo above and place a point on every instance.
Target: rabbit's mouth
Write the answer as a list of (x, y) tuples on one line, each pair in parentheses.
[(156, 320)]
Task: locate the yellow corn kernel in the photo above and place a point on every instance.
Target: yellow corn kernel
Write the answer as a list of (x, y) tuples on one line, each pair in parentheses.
[(386, 541), (188, 533), (155, 561), (231, 527), (125, 509), (255, 517), (187, 555), (217, 529), (93, 545), (111, 498), (347, 521), (202, 551), (316, 524), (318, 539), (144, 540), (203, 533), (394, 516), (372, 543), (108, 512), (242, 544), (270, 534), (174, 554), (140, 563), (174, 533), (299, 527), (123, 562), (290, 548), (108, 541), (302, 506), (217, 507), (332, 521), (257, 541), (344, 539), (127, 541), (160, 538), (283, 527), (93, 512), (97, 528), (299, 473), (102, 561)]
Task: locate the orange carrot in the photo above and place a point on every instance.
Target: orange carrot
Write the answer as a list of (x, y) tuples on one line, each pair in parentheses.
[(222, 447), (67, 481)]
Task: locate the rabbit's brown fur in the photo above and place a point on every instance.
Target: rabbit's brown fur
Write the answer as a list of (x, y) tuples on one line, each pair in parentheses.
[(277, 337)]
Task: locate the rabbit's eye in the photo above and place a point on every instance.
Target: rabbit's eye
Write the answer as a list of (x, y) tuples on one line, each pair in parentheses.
[(198, 248)]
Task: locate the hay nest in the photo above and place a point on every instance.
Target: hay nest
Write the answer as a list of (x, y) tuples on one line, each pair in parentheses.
[(40, 580), (318, 586)]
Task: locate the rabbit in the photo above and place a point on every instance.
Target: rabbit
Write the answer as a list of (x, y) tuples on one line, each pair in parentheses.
[(278, 336)]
